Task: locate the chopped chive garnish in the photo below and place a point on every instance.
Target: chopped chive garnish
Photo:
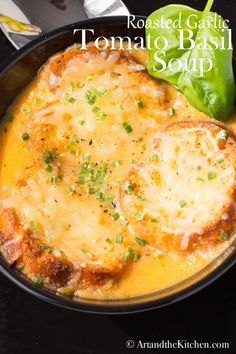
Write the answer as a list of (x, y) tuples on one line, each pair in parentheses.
[(86, 157), (90, 77), (9, 117), (211, 175), (49, 156), (91, 95), (182, 203), (84, 179), (38, 281), (171, 112), (154, 157), (108, 240), (72, 100), (74, 140), (154, 220), (102, 90), (82, 122), (199, 168), (140, 103), (46, 247), (200, 179), (220, 161), (141, 241), (115, 216), (25, 136), (136, 256), (54, 179), (130, 188), (73, 85), (117, 163), (26, 110), (139, 216), (38, 100), (127, 254), (91, 190), (222, 135), (127, 127), (48, 168), (102, 116), (144, 200), (119, 239), (84, 250), (95, 109), (223, 235)]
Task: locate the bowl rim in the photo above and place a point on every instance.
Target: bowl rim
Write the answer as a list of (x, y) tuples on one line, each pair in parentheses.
[(137, 304)]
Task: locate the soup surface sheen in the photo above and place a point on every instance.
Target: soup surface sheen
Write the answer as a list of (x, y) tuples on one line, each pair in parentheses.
[(88, 163)]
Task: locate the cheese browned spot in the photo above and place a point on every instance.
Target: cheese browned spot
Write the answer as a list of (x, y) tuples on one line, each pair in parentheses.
[(187, 189)]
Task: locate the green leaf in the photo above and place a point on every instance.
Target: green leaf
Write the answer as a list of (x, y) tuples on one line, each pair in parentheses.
[(211, 92)]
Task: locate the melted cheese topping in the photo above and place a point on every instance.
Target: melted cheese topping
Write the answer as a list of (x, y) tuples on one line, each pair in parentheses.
[(86, 129), (187, 186)]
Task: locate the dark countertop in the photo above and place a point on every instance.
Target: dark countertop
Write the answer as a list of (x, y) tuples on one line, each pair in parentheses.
[(31, 326)]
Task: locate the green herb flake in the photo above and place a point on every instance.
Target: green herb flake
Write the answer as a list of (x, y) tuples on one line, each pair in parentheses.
[(154, 157), (211, 175), (222, 135), (49, 156), (136, 256), (141, 241), (182, 203), (127, 254), (26, 110), (46, 247), (86, 157), (25, 136), (102, 90), (91, 95), (154, 220), (223, 235), (54, 179), (117, 163), (9, 117), (74, 140), (90, 77), (140, 103), (220, 161), (130, 188), (118, 239), (102, 116), (144, 200), (38, 281), (73, 85), (95, 109), (115, 216), (82, 122), (127, 127), (171, 112), (49, 168), (109, 241), (139, 216)]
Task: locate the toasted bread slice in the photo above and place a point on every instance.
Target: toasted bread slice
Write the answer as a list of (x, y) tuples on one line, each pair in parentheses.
[(184, 198)]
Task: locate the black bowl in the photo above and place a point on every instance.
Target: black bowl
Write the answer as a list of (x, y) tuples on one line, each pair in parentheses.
[(17, 73)]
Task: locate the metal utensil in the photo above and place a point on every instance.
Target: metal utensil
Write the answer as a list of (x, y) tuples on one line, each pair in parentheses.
[(36, 17)]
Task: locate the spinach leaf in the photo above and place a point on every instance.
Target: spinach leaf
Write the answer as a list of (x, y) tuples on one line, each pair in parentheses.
[(211, 92)]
